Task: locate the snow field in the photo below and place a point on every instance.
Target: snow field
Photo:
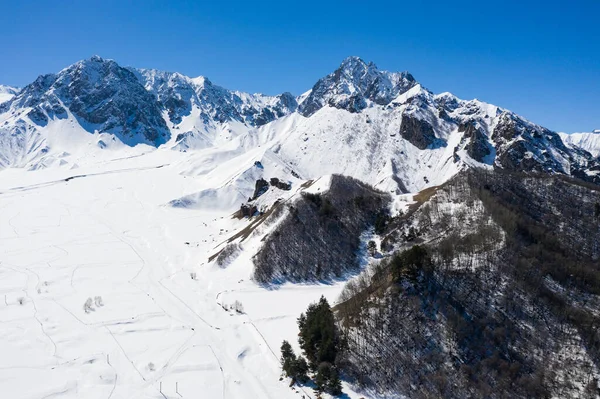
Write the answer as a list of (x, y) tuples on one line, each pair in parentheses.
[(110, 236)]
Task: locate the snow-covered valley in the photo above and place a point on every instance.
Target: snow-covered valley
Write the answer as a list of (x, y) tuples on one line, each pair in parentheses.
[(110, 234)]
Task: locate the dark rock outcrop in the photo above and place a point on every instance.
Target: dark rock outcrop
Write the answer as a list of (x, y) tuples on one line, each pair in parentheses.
[(246, 210), (417, 131), (260, 187), (280, 184), (477, 147)]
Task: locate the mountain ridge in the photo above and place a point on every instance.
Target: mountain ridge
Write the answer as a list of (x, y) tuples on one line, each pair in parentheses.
[(387, 122)]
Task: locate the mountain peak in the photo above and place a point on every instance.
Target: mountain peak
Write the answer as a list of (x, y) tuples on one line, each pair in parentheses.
[(353, 65), (353, 84), (93, 61), (100, 93), (354, 61), (96, 58)]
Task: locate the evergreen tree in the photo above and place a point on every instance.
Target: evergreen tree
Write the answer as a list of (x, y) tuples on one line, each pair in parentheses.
[(410, 263), (320, 341), (294, 367), (372, 248), (381, 221), (288, 359), (301, 370), (321, 378), (334, 385), (327, 379), (318, 337)]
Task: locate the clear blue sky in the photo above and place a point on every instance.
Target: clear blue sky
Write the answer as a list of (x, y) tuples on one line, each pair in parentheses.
[(540, 59)]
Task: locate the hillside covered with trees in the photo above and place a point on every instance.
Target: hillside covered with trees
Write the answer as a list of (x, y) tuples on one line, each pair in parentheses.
[(491, 289)]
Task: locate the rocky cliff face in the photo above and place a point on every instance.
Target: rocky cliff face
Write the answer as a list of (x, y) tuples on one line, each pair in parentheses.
[(102, 95), (179, 95), (416, 131)]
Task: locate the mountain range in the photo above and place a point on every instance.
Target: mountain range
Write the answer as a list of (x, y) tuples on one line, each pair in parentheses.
[(382, 127)]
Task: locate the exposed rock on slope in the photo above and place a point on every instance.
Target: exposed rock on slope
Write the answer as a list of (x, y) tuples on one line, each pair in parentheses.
[(417, 132), (477, 146)]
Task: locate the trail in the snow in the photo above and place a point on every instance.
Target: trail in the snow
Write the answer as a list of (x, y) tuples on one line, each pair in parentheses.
[(69, 178)]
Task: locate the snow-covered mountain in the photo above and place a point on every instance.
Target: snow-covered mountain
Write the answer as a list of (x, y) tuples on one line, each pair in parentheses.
[(7, 92), (354, 85), (382, 127), (586, 141), (197, 110)]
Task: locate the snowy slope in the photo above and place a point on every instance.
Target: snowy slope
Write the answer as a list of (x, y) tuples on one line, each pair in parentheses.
[(7, 92), (587, 141), (63, 143)]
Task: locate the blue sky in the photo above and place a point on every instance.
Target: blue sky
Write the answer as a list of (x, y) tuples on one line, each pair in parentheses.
[(540, 59)]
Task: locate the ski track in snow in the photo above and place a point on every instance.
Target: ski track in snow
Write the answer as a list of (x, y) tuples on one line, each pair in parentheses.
[(109, 233)]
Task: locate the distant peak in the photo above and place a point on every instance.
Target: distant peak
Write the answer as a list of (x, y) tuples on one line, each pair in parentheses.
[(9, 89), (352, 60), (96, 58), (201, 81), (356, 63), (95, 61)]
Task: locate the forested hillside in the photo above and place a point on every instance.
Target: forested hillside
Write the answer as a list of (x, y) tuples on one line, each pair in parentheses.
[(491, 289)]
